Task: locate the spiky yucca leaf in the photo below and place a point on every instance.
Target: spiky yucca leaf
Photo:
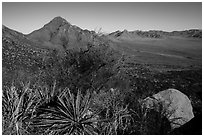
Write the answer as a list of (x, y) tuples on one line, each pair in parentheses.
[(67, 114), (17, 108)]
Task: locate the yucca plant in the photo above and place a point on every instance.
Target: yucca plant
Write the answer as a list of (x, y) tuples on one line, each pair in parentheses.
[(17, 107), (67, 114), (45, 93)]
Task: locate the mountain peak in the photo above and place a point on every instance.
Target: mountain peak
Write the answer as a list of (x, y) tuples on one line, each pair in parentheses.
[(58, 19)]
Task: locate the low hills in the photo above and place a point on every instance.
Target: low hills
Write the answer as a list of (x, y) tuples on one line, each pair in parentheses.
[(136, 35)]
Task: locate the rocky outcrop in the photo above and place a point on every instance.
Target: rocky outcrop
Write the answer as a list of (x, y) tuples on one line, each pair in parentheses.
[(175, 105)]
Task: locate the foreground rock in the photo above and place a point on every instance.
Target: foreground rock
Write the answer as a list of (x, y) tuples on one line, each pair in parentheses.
[(175, 105)]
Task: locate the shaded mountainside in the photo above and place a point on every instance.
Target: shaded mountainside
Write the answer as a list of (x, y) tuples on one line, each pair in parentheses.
[(18, 50), (17, 37)]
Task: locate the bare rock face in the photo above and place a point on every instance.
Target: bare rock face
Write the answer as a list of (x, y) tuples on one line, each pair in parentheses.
[(175, 105)]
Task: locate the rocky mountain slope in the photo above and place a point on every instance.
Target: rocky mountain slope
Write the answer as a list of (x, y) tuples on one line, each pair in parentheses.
[(60, 34), (18, 50)]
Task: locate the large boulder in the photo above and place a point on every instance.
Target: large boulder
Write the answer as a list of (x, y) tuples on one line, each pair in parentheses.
[(175, 105)]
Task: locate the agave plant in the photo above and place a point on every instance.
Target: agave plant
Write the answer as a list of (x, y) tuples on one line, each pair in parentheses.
[(67, 114)]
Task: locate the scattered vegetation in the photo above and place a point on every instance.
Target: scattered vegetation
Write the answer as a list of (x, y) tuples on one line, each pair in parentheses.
[(89, 91), (41, 110)]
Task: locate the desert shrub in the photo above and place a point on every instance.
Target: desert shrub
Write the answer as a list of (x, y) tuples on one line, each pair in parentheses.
[(116, 121), (108, 99), (86, 69), (150, 120), (77, 68), (113, 111)]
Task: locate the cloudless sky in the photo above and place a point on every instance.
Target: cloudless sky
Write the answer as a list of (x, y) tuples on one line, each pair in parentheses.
[(27, 17)]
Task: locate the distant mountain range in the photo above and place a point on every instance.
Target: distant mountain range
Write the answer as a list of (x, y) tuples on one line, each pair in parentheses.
[(60, 34), (134, 35)]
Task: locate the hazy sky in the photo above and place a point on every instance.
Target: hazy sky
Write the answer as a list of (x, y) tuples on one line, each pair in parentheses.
[(26, 17)]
